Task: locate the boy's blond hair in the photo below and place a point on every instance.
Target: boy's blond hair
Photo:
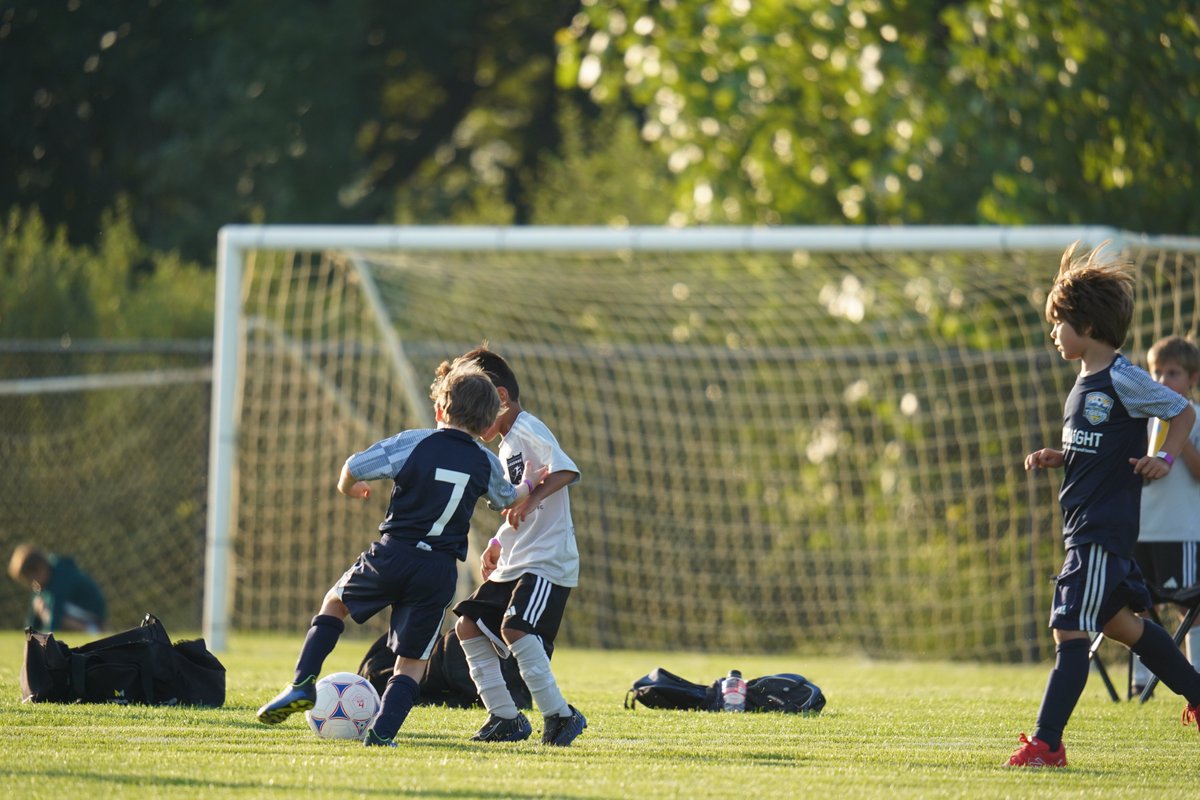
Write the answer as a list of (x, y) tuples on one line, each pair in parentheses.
[(26, 561), (466, 396), (1176, 349), (1094, 296)]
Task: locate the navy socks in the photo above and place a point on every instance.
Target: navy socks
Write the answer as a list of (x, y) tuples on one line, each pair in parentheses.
[(1066, 683), (399, 697), (1157, 651), (322, 635), (1161, 656)]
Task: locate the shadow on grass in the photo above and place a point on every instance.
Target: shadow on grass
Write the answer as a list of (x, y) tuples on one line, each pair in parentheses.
[(140, 783)]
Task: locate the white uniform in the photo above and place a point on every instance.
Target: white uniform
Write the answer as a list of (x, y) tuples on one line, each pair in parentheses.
[(544, 544), (1171, 505)]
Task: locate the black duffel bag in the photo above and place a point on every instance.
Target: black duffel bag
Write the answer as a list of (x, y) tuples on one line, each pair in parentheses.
[(139, 666), (786, 692), (447, 679)]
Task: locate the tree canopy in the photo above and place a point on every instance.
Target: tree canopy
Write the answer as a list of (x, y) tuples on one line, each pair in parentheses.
[(738, 111), (916, 111)]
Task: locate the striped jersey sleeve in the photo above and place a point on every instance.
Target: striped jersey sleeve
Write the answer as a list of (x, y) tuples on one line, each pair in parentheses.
[(385, 458), (1141, 395), (501, 493)]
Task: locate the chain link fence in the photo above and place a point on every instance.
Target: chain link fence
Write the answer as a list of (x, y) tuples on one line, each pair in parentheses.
[(104, 454)]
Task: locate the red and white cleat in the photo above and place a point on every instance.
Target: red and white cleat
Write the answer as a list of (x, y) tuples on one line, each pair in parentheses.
[(1036, 753)]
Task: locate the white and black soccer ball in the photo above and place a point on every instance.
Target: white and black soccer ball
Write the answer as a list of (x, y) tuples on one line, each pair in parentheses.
[(346, 704)]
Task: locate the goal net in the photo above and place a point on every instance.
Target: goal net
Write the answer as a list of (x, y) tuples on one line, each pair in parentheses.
[(788, 438)]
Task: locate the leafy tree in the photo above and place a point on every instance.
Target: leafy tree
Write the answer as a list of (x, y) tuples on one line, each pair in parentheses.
[(118, 288), (205, 114), (603, 174), (915, 111)]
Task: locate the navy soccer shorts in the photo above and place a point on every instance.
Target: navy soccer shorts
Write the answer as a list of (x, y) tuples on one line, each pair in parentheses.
[(1168, 566), (1093, 586), (530, 604), (417, 584)]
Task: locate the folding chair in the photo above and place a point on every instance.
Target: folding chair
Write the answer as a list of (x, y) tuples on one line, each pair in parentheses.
[(1187, 599), (1093, 656)]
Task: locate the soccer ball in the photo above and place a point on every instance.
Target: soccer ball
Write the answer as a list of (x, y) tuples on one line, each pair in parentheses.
[(346, 704)]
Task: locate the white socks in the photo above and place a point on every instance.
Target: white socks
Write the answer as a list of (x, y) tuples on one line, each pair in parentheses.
[(1141, 675), (1193, 647), (535, 670), (484, 666)]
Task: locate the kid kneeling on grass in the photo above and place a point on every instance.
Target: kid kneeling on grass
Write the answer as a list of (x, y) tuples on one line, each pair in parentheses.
[(439, 475), (1103, 452)]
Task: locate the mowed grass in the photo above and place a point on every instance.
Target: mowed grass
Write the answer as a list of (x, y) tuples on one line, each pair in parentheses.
[(890, 730)]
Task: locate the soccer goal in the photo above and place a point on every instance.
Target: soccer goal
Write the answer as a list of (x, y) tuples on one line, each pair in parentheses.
[(788, 437)]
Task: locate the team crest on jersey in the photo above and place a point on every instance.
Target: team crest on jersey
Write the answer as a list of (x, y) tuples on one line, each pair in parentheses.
[(1096, 407), (516, 467)]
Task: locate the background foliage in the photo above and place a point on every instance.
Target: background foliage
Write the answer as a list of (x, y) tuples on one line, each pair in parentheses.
[(789, 111), (134, 130)]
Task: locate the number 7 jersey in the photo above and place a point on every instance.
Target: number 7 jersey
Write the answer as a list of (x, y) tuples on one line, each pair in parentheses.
[(439, 476)]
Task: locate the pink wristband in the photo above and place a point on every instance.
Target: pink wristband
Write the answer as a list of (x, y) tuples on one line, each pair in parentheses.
[(1165, 456), (495, 541)]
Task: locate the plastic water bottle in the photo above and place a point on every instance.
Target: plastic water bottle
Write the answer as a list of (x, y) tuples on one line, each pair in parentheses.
[(733, 692)]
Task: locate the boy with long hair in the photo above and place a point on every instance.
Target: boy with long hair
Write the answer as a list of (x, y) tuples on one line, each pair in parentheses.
[(1103, 454)]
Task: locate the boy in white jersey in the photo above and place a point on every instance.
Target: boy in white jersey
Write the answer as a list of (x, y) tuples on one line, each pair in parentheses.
[(528, 569), (1169, 536)]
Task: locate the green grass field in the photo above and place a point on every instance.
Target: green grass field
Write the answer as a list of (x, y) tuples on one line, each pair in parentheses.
[(890, 730)]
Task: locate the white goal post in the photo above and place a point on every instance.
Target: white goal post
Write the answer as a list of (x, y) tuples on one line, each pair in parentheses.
[(787, 435)]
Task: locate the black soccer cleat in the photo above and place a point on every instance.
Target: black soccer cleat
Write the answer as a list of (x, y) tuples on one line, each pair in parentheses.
[(372, 739), (499, 729), (291, 700), (561, 731)]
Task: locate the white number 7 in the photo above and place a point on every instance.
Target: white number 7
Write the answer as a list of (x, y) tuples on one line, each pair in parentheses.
[(459, 480)]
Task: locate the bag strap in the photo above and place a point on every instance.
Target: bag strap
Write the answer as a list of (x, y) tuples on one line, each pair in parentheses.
[(77, 681)]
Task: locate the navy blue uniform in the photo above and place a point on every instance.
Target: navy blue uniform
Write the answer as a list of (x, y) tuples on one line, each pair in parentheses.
[(439, 476), (1104, 425)]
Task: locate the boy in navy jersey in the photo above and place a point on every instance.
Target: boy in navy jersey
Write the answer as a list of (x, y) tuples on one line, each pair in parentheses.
[(439, 475), (1104, 456)]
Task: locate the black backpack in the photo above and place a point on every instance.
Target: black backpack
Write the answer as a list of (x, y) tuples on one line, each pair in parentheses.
[(139, 665), (786, 692), (447, 679), (663, 689)]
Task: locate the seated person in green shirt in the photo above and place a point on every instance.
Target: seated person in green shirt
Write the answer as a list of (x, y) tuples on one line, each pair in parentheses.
[(65, 598)]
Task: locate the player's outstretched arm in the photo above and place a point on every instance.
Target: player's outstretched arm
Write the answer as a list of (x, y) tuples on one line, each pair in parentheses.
[(351, 486), (548, 485), (489, 559), (1152, 467), (501, 494), (1046, 458)]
